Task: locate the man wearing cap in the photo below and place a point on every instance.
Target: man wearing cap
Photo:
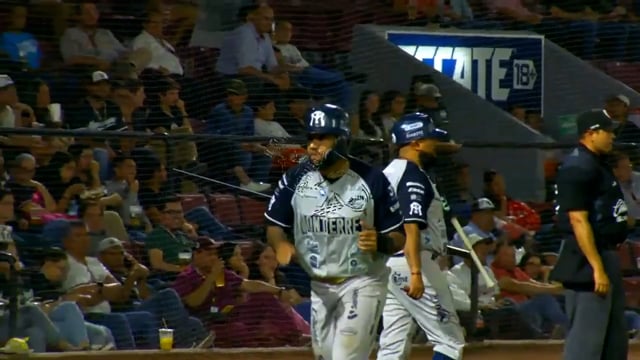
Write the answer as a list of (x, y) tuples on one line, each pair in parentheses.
[(417, 289), (95, 111), (247, 161), (483, 247), (164, 304), (428, 101), (482, 223), (210, 293), (592, 214), (617, 106)]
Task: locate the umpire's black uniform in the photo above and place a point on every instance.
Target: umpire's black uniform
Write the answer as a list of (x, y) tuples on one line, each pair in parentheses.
[(585, 183)]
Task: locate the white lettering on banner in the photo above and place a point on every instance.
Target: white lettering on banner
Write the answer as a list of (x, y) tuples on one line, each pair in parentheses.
[(524, 71)]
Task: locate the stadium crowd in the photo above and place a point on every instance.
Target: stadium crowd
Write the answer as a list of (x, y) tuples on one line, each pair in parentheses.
[(111, 245)]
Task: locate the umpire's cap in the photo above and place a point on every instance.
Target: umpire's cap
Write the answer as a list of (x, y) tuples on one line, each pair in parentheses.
[(594, 120), (416, 126)]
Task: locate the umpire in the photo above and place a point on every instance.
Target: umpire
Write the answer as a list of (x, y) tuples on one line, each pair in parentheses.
[(592, 215)]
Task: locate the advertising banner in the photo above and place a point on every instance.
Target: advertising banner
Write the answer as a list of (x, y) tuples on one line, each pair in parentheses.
[(506, 70)]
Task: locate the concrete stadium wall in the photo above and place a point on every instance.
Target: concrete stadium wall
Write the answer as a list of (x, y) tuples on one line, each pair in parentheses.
[(494, 350), (471, 118)]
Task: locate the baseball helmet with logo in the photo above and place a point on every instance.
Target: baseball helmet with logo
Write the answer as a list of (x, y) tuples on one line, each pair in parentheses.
[(329, 119)]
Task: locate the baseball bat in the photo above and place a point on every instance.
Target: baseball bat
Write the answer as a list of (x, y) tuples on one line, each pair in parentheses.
[(483, 272)]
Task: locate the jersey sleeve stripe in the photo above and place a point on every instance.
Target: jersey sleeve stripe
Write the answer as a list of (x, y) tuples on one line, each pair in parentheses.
[(276, 221), (390, 229)]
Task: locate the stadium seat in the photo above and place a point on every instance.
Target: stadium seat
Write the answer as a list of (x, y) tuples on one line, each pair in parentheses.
[(225, 208), (628, 73), (192, 201), (252, 210), (627, 257)]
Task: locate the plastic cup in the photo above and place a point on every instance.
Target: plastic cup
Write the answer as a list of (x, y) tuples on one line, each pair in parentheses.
[(166, 339), (55, 111), (220, 280)]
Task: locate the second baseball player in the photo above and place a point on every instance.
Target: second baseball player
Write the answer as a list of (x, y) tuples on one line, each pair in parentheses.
[(426, 239)]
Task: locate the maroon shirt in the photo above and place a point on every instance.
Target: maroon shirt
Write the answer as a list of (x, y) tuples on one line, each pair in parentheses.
[(220, 300)]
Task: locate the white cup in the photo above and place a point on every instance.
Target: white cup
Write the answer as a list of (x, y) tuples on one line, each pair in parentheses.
[(55, 112)]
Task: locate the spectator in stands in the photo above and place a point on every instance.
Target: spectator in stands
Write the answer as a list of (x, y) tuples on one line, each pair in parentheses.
[(164, 304), (33, 322), (629, 181), (163, 54), (169, 112), (427, 97), (459, 193), (247, 52), (130, 97), (264, 108), (231, 255), (507, 208), (617, 108), (63, 309), (518, 111), (8, 97), (483, 247), (18, 44), (324, 82), (87, 169), (32, 199), (100, 224), (534, 300), (531, 264), (87, 276), (277, 324), (232, 117), (154, 190), (168, 247), (534, 120), (124, 184), (59, 177), (368, 119), (392, 107), (292, 121), (88, 44), (95, 111), (481, 224), (211, 294), (36, 94)]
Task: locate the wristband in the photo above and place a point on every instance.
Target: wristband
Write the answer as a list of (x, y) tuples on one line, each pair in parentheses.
[(385, 244)]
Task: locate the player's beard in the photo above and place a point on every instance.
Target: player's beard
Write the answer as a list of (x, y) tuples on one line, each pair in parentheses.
[(427, 160)]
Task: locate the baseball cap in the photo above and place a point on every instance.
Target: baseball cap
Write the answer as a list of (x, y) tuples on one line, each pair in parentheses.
[(205, 243), (477, 238), (5, 81), (109, 243), (99, 76), (481, 204), (594, 120), (236, 87), (416, 126), (431, 90), (619, 97)]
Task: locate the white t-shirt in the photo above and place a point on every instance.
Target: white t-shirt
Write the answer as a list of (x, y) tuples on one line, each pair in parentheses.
[(7, 117), (269, 128), (292, 55), (93, 272), (485, 294), (461, 300)]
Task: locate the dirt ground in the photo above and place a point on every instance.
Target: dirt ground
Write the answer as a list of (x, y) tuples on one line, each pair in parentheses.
[(511, 350)]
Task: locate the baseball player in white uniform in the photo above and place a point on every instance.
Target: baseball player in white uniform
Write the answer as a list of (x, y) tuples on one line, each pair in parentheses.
[(426, 239), (345, 221)]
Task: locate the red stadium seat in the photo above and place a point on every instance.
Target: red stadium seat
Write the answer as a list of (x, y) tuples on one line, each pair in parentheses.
[(192, 201), (252, 210), (628, 73), (225, 208)]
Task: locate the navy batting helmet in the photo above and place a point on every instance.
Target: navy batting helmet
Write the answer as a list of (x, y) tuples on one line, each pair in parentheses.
[(329, 119), (416, 126)]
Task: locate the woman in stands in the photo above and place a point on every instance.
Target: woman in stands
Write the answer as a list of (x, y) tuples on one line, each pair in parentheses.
[(276, 323), (507, 208), (231, 254), (392, 106)]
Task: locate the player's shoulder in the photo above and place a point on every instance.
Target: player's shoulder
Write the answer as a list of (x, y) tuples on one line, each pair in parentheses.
[(366, 171), (292, 177)]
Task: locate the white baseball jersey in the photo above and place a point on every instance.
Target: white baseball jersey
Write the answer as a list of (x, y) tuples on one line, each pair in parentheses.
[(420, 202), (325, 217)]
